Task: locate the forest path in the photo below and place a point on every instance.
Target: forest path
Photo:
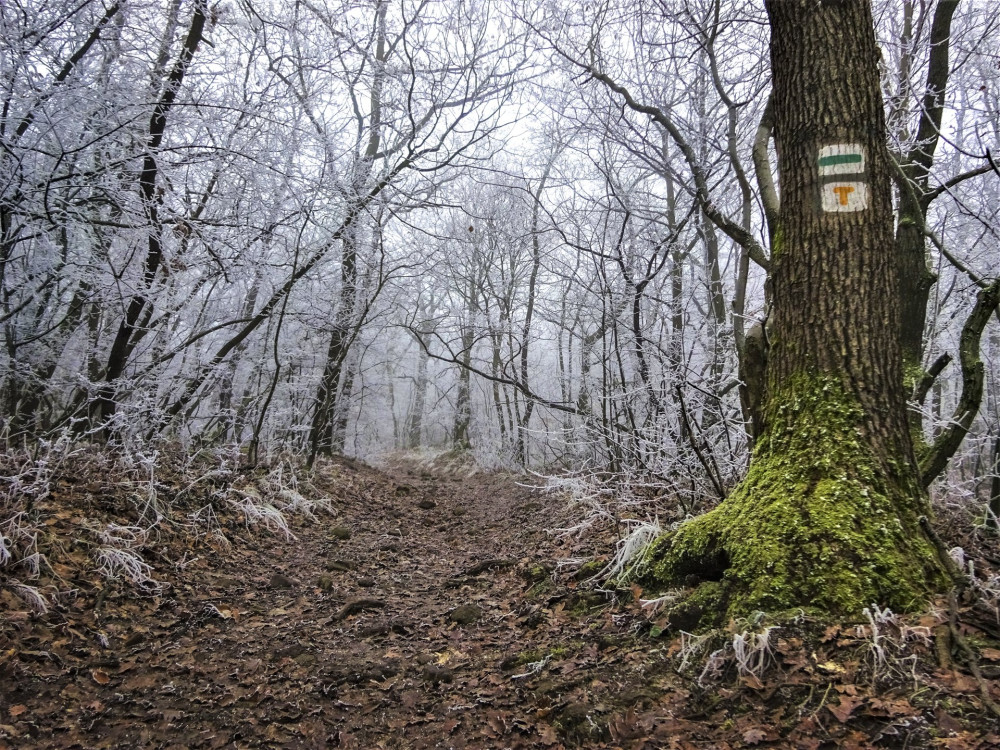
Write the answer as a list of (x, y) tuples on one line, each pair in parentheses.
[(430, 609), (423, 613)]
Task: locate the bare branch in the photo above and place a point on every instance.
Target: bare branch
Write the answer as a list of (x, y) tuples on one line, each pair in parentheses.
[(930, 196), (762, 167), (923, 386), (730, 228), (973, 376)]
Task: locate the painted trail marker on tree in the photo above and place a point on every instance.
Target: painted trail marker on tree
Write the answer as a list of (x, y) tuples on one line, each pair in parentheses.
[(843, 184)]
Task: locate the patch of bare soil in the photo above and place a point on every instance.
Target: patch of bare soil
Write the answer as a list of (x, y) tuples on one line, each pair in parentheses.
[(431, 609)]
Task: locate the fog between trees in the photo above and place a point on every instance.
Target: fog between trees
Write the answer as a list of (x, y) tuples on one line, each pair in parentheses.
[(539, 232)]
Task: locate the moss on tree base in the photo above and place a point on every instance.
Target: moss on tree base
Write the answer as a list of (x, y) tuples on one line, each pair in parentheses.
[(816, 523)]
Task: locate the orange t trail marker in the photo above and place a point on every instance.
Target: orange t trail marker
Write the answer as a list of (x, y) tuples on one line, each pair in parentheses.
[(842, 178)]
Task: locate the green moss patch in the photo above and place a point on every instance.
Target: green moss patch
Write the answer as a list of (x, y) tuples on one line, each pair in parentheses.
[(815, 523)]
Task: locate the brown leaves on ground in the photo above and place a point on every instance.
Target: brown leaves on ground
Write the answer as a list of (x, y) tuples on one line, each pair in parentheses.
[(440, 614)]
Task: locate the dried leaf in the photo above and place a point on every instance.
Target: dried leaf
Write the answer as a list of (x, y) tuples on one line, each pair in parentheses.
[(625, 726), (831, 667), (547, 734), (929, 621), (961, 741), (790, 647), (847, 705), (754, 736), (496, 722), (891, 708), (947, 722), (409, 699), (17, 710)]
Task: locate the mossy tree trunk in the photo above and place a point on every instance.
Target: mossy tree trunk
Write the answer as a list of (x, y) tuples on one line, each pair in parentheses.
[(829, 515)]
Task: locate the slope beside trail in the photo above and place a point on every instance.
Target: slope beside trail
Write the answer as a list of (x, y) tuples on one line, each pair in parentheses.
[(430, 609)]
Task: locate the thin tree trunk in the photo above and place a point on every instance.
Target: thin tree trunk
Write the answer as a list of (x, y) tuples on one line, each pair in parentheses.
[(323, 436), (521, 450), (138, 308), (463, 399), (993, 518), (321, 430), (910, 249), (227, 414), (415, 427), (415, 421), (343, 410)]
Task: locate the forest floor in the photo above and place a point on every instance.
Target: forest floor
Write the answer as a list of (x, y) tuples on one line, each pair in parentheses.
[(431, 606)]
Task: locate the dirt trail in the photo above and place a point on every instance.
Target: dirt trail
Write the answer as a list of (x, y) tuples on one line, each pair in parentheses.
[(401, 621), (429, 610)]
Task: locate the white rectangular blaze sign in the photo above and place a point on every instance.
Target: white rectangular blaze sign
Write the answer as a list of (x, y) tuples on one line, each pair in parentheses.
[(843, 186)]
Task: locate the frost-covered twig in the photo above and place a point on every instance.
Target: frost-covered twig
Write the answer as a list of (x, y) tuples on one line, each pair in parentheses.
[(652, 606), (533, 668), (752, 651), (713, 667), (126, 537), (114, 563), (691, 646), (878, 644), (256, 510), (118, 557), (19, 545), (30, 596), (629, 550)]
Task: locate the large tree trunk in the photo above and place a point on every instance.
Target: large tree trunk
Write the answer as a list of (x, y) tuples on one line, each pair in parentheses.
[(829, 515), (326, 436)]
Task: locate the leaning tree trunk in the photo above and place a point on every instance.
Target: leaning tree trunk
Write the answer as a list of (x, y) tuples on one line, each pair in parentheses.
[(829, 514)]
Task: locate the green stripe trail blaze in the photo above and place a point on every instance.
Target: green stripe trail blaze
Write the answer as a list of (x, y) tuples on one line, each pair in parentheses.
[(829, 161)]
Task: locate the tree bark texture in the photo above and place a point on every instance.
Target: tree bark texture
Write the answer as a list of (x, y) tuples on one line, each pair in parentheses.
[(829, 513)]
